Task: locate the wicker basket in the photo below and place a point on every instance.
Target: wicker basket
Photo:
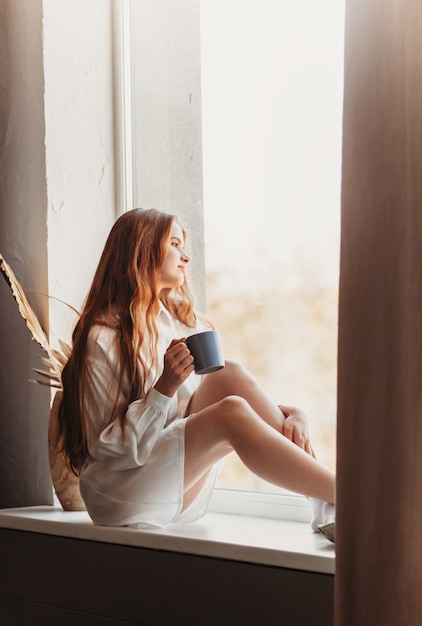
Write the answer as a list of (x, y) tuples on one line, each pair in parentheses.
[(66, 484)]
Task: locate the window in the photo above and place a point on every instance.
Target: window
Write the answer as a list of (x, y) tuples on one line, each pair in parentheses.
[(271, 120), (271, 110)]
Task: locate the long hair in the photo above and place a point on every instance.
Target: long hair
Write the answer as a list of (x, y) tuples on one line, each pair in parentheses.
[(123, 296)]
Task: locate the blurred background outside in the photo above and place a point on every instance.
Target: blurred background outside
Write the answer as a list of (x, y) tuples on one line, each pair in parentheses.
[(272, 79)]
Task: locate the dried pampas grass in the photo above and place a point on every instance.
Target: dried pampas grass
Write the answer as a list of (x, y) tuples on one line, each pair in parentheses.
[(66, 484), (55, 359)]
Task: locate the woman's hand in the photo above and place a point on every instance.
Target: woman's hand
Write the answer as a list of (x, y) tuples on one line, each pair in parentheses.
[(295, 428), (178, 365)]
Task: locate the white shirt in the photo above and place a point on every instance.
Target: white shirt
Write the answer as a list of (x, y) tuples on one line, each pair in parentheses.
[(136, 478)]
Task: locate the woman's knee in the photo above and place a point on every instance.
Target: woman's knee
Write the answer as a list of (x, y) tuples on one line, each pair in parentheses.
[(234, 409), (234, 372), (237, 419), (235, 368), (219, 425)]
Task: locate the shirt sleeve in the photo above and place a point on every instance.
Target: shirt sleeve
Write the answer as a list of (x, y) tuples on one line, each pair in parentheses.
[(121, 448)]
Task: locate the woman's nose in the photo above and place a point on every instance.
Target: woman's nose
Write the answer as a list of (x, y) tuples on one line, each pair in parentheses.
[(185, 257)]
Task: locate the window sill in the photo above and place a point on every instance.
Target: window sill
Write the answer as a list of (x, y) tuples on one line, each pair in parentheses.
[(287, 543)]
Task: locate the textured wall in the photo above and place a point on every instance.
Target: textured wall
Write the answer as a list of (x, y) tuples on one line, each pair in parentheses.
[(24, 476), (78, 66)]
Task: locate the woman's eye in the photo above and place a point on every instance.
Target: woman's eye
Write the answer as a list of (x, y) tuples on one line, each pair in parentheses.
[(177, 244)]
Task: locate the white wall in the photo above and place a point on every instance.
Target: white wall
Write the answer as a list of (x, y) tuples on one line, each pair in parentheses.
[(79, 139)]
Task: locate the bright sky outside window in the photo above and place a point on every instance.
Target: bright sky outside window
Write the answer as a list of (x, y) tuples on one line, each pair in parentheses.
[(272, 78)]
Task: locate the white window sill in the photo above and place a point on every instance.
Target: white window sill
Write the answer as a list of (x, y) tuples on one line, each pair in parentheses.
[(245, 535)]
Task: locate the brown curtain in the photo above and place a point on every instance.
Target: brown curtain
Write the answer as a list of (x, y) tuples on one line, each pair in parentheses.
[(379, 485)]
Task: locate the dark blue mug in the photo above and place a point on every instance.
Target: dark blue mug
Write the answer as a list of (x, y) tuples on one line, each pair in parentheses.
[(206, 351)]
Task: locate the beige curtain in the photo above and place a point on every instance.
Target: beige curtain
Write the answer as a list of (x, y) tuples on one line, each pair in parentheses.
[(379, 501)]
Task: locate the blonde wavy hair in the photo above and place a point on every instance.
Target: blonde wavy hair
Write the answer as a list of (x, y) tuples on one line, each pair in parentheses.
[(123, 296)]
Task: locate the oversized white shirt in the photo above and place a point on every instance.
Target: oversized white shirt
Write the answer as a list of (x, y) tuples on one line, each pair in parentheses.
[(136, 478)]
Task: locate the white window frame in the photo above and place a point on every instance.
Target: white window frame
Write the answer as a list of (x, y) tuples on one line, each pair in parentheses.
[(123, 99)]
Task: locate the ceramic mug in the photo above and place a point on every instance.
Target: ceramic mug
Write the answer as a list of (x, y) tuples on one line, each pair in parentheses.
[(206, 350)]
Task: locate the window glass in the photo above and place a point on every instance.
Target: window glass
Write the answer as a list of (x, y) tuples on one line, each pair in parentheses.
[(272, 75)]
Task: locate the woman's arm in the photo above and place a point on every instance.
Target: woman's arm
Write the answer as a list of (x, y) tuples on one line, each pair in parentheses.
[(123, 447), (130, 447)]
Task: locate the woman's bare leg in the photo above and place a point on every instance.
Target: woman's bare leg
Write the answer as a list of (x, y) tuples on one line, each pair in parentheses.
[(231, 424), (235, 380)]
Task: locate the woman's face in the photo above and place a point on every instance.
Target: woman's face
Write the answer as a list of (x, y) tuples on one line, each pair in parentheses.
[(172, 272)]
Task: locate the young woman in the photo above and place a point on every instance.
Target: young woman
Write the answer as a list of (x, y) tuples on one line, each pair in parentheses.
[(143, 431)]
